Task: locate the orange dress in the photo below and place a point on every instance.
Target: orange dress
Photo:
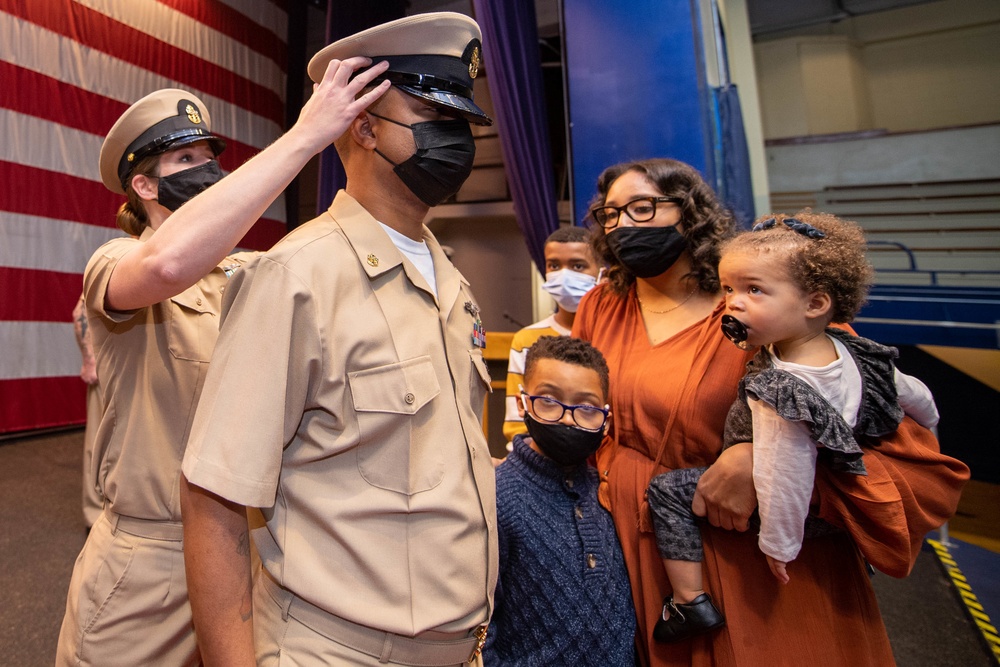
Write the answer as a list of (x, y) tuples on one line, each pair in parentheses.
[(669, 403)]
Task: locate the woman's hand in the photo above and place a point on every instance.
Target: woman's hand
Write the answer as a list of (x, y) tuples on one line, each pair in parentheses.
[(725, 495), (335, 104)]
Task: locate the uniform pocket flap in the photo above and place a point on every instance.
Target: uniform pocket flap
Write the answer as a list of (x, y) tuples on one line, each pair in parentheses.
[(480, 363), (401, 388), (193, 299)]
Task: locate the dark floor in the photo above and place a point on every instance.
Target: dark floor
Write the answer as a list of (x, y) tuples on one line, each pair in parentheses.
[(42, 531)]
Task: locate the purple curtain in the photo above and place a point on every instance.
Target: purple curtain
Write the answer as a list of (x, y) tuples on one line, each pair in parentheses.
[(514, 75)]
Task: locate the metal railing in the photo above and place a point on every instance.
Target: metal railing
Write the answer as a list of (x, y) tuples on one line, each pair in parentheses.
[(932, 274)]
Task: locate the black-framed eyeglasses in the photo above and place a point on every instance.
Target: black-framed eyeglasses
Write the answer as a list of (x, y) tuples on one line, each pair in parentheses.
[(587, 417), (642, 209)]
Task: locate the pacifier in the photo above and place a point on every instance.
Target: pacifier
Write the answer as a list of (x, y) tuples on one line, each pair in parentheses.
[(735, 331)]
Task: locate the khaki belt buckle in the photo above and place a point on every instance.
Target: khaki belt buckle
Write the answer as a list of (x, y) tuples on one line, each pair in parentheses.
[(480, 635)]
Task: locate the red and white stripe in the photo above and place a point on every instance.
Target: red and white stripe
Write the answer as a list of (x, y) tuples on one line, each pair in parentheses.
[(68, 69)]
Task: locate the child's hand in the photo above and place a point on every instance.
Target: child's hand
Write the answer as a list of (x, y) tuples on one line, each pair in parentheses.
[(333, 106), (777, 569)]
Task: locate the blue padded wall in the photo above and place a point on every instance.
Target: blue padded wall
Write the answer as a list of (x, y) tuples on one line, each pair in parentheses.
[(636, 88)]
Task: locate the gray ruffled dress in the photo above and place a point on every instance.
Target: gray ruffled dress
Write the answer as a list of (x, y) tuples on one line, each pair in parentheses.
[(670, 494)]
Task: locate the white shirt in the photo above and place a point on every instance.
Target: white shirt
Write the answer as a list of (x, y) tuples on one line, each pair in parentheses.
[(784, 453)]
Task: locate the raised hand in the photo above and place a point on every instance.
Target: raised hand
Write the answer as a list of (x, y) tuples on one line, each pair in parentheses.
[(335, 102)]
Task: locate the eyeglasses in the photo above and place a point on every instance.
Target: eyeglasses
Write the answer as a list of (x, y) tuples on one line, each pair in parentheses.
[(587, 417), (642, 209)]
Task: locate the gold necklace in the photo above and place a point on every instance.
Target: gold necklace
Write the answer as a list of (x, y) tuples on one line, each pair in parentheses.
[(674, 307)]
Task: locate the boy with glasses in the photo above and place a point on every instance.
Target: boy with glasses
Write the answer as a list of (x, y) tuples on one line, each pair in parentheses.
[(563, 595)]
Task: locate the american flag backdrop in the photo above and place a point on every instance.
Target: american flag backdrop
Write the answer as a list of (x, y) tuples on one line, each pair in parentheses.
[(68, 69)]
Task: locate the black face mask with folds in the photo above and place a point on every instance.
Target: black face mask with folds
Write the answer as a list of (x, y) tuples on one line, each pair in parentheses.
[(178, 188), (566, 445), (647, 251), (442, 161)]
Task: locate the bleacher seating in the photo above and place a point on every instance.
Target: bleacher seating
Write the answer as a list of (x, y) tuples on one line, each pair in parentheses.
[(940, 233)]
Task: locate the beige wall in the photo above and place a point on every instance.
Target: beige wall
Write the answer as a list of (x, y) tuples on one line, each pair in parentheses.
[(924, 67), (812, 85), (834, 85), (782, 96), (955, 82)]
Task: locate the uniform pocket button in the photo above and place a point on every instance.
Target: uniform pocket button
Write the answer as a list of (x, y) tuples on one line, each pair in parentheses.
[(409, 398)]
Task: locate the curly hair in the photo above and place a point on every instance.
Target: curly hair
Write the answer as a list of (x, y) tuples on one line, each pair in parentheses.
[(835, 265), (131, 217), (705, 223), (574, 351)]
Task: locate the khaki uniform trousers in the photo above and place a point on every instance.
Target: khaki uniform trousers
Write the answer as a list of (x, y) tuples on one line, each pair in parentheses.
[(128, 601), (93, 502), (289, 632)]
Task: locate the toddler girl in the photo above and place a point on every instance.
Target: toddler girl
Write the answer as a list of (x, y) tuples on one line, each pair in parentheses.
[(811, 393)]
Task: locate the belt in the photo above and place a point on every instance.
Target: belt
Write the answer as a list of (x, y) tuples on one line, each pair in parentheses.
[(170, 531), (385, 646)]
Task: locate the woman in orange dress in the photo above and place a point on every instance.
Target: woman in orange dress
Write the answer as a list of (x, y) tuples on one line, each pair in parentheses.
[(673, 379)]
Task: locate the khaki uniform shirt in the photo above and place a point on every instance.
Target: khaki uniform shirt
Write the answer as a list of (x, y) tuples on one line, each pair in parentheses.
[(346, 401), (152, 363)]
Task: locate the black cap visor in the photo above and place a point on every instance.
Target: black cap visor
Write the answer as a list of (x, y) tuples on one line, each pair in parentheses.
[(162, 137), (444, 81), (463, 105)]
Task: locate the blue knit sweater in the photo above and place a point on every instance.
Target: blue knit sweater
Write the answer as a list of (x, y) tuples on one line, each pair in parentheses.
[(563, 596)]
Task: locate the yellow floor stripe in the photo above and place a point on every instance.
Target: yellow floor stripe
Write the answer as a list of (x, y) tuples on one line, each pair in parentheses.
[(980, 616), (986, 627), (971, 602)]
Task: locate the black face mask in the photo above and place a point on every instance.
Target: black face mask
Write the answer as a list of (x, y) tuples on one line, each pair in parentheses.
[(647, 251), (442, 161), (566, 445), (175, 189)]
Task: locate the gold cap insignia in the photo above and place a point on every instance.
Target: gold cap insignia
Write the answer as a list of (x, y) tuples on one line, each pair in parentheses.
[(193, 114), (372, 260), (474, 61), (131, 157)]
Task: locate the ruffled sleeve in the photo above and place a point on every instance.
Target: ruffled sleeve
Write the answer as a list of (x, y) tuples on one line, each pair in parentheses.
[(795, 401)]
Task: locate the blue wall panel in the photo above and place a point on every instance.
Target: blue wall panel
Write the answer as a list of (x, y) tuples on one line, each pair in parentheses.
[(636, 87)]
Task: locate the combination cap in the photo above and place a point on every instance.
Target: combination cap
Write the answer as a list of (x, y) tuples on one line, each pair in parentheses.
[(433, 56), (159, 122)]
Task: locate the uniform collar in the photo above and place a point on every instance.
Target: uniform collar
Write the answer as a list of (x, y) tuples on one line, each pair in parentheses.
[(377, 254), (375, 250)]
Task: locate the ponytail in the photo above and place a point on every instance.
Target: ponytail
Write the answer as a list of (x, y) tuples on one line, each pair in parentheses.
[(130, 220), (131, 217)]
